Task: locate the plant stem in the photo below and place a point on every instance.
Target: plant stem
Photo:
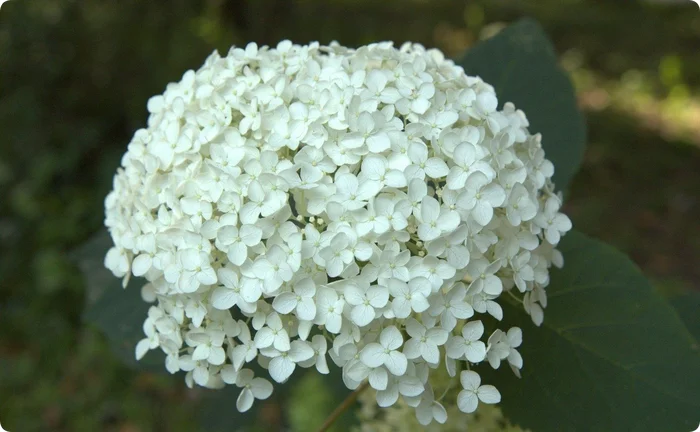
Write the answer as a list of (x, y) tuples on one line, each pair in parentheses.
[(344, 406), (514, 297)]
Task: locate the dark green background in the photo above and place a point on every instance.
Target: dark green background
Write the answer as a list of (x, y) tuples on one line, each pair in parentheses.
[(74, 80)]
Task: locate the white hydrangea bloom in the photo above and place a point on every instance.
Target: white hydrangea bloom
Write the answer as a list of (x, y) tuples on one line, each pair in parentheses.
[(288, 203)]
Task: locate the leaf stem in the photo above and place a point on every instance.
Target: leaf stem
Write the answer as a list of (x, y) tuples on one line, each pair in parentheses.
[(514, 297), (296, 222), (344, 406), (452, 381)]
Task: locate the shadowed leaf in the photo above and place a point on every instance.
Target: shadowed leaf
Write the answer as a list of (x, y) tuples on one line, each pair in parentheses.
[(611, 355), (521, 65)]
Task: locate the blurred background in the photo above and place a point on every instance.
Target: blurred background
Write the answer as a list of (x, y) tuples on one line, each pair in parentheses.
[(74, 80)]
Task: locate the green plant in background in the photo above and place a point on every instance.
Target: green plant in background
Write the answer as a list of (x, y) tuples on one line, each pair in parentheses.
[(607, 339)]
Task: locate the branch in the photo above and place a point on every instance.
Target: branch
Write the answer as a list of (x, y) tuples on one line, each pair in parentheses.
[(340, 409)]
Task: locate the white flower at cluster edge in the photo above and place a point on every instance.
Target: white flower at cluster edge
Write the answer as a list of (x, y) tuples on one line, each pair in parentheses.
[(288, 203)]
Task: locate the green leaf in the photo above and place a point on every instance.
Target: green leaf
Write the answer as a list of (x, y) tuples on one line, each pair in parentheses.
[(118, 312), (521, 65), (687, 305), (612, 354)]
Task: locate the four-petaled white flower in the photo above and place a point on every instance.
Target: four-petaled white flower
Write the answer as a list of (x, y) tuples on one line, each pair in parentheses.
[(422, 164), (503, 346), (320, 347), (424, 341), (300, 300), (273, 269), (208, 346), (467, 161), (283, 363), (468, 399), (329, 309), (235, 242), (435, 221), (253, 388), (552, 222), (337, 255), (365, 302), (429, 409), (480, 197), (385, 353), (468, 345), (273, 334), (411, 296), (230, 293), (452, 307)]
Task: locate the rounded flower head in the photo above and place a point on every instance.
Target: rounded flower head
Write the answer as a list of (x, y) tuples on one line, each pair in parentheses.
[(292, 203)]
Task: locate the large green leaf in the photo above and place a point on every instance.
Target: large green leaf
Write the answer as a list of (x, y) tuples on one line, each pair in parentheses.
[(612, 354), (118, 312), (521, 65), (687, 305)]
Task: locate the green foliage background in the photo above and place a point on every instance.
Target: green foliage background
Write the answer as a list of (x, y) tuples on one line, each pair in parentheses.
[(74, 79)]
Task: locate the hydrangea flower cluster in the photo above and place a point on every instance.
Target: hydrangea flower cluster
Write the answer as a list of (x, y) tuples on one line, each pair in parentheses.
[(290, 204)]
